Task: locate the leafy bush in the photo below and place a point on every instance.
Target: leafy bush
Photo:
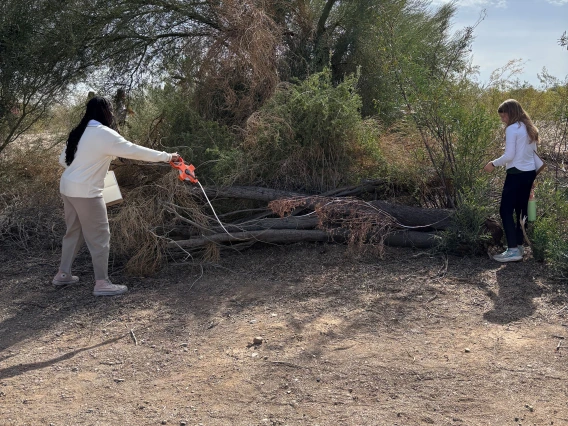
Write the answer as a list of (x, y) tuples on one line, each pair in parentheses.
[(164, 118), (311, 136), (549, 234), (467, 234), (456, 130)]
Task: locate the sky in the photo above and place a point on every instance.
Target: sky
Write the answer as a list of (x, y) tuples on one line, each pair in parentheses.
[(528, 30)]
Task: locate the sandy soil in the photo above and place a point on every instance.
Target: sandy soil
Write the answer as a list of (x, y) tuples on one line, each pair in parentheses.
[(410, 339)]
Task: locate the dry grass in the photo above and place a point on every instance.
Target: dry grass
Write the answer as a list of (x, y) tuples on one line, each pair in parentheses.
[(141, 227), (239, 70), (30, 206), (31, 210), (410, 166)]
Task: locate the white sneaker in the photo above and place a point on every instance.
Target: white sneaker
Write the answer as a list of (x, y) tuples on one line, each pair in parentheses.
[(106, 288), (63, 278), (509, 255)]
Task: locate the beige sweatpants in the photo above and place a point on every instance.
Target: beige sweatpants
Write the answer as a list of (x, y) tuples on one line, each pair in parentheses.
[(86, 220)]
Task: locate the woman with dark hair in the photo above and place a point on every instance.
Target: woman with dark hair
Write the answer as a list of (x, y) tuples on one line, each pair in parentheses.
[(90, 148), (521, 137)]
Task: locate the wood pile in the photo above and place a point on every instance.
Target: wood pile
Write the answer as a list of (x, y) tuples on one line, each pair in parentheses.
[(287, 217)]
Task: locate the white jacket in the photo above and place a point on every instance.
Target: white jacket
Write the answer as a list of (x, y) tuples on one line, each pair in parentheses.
[(99, 145), (519, 152)]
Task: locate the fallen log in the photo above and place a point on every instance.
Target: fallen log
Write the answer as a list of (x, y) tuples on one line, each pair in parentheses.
[(288, 222), (338, 219), (286, 236), (417, 217), (265, 236)]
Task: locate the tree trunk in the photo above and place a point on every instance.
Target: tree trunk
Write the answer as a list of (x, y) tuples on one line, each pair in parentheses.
[(286, 236), (265, 236), (419, 222), (406, 215), (289, 222), (424, 219)]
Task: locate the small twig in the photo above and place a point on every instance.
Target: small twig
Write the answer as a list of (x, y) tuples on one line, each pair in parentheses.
[(432, 298), (133, 337), (523, 221), (287, 364), (561, 310), (559, 345), (444, 269), (171, 208)]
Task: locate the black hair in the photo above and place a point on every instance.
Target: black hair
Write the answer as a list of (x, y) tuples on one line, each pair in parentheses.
[(98, 108)]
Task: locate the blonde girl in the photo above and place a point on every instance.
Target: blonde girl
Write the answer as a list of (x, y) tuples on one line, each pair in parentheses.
[(520, 161)]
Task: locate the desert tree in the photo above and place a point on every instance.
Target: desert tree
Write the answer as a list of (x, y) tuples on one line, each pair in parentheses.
[(42, 52), (429, 66), (47, 45)]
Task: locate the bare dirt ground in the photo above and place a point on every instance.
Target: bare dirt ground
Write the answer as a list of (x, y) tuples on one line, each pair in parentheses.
[(410, 339)]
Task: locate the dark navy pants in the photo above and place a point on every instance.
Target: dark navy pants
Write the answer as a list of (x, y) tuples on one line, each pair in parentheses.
[(514, 202)]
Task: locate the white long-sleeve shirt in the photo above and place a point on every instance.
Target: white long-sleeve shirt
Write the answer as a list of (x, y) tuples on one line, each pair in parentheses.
[(519, 152), (99, 145)]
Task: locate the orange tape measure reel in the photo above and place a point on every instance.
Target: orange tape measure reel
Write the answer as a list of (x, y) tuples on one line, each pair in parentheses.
[(186, 171)]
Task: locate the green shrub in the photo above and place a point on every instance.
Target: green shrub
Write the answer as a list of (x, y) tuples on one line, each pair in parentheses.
[(549, 234), (467, 234), (165, 118), (311, 136)]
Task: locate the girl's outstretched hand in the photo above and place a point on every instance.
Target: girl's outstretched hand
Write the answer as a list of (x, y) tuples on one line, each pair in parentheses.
[(489, 167)]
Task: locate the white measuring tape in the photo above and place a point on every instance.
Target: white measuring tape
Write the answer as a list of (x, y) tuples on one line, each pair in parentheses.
[(214, 213)]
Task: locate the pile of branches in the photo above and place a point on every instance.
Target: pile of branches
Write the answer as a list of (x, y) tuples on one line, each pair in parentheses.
[(293, 217), (165, 218), (280, 217)]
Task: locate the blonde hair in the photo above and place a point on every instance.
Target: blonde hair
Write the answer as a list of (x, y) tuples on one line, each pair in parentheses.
[(516, 114)]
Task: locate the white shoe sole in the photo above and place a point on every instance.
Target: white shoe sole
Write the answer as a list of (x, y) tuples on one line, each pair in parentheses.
[(57, 283), (114, 292), (508, 259)]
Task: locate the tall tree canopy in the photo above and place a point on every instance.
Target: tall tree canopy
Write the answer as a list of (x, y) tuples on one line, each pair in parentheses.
[(43, 49), (227, 56)]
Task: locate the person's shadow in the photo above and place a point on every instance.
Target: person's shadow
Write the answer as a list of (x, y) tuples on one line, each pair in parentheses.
[(514, 299)]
